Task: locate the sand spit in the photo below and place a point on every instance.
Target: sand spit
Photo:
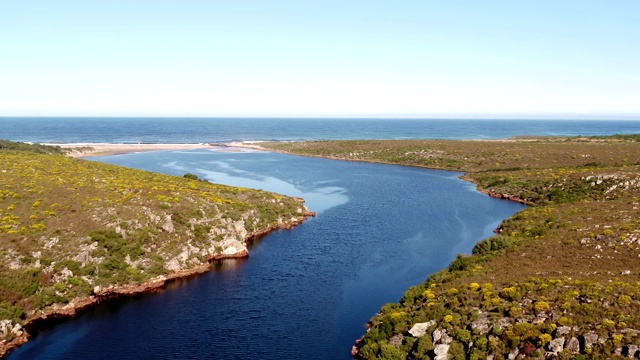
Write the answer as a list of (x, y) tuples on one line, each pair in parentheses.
[(103, 149)]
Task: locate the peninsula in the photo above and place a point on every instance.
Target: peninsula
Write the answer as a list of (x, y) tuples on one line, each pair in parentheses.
[(75, 232), (560, 279)]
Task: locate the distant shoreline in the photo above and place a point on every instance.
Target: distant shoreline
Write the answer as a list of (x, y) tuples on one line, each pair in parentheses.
[(81, 150), (78, 150), (103, 149)]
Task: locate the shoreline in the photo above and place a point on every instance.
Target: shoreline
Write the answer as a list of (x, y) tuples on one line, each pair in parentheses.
[(76, 306), (83, 150), (86, 150), (580, 191), (78, 150)]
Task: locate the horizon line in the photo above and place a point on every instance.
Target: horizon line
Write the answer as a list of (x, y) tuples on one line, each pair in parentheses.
[(515, 116)]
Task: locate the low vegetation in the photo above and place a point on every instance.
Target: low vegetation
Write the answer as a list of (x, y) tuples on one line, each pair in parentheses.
[(561, 279), (69, 227)]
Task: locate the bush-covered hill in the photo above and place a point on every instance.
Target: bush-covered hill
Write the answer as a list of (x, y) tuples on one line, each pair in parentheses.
[(560, 280), (72, 228)]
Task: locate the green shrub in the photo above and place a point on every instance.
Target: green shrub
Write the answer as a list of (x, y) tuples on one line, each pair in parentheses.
[(370, 350), (72, 265), (463, 262), (156, 267), (25, 283), (390, 352), (33, 148), (462, 335), (423, 347), (109, 239), (456, 351), (10, 311), (493, 244)]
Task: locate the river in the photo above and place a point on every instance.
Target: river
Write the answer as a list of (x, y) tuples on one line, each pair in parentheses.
[(302, 293)]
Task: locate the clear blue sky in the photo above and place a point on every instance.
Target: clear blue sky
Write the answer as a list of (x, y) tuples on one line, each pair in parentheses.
[(571, 58)]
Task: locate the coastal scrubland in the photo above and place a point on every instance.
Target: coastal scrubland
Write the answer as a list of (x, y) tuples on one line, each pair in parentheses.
[(72, 230), (560, 279)]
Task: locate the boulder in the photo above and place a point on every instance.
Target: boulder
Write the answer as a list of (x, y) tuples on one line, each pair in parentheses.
[(590, 338), (504, 323), (437, 335), (168, 224), (630, 351), (355, 348), (540, 319), (441, 337), (173, 265), (563, 330), (481, 326), (556, 345), (419, 329), (82, 257), (446, 339), (441, 351), (617, 351), (5, 327), (573, 345)]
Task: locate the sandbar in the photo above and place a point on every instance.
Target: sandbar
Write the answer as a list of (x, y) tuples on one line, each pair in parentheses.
[(103, 149)]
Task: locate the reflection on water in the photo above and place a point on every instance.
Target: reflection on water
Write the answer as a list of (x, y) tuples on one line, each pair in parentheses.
[(318, 198)]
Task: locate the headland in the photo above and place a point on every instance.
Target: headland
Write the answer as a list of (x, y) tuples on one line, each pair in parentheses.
[(74, 232)]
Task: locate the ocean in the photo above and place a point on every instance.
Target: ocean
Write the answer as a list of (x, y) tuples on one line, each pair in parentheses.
[(206, 130)]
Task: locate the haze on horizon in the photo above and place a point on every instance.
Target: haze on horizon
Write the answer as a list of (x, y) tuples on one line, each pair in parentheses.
[(462, 58)]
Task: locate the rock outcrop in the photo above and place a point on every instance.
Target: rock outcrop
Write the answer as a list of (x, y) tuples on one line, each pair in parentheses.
[(233, 249), (419, 329)]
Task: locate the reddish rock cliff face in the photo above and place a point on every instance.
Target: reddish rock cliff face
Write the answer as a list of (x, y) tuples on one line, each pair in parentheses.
[(156, 284)]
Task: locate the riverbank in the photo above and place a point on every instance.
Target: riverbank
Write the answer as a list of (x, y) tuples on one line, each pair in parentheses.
[(100, 294), (79, 232), (560, 279)]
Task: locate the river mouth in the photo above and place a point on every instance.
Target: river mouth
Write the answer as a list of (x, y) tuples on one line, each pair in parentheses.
[(302, 293)]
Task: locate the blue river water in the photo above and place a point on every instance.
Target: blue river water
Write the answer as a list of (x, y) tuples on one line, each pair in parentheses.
[(304, 293)]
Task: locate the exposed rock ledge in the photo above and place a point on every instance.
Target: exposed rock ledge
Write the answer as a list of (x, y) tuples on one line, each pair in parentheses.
[(506, 197), (70, 310)]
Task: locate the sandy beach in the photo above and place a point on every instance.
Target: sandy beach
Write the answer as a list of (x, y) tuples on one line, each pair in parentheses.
[(93, 149), (103, 149)]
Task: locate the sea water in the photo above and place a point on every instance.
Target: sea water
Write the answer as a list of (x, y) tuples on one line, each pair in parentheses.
[(206, 130)]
